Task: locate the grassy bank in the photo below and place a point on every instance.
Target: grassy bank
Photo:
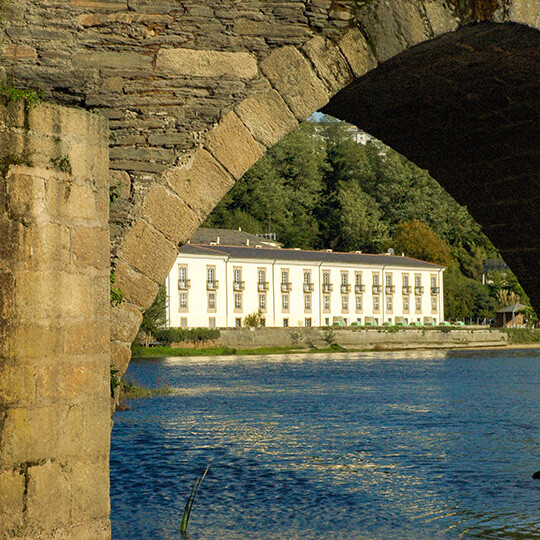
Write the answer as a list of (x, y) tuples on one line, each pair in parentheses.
[(130, 390), (523, 335), (158, 352)]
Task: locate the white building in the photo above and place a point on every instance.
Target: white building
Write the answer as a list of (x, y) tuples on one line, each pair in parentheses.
[(217, 286)]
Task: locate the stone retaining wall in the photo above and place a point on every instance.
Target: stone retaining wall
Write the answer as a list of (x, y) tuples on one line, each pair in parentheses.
[(402, 338), (54, 324)]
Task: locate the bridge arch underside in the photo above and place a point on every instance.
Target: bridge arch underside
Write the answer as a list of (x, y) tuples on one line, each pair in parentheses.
[(466, 106)]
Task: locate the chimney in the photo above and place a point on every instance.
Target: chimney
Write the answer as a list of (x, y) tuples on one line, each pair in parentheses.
[(247, 242), (217, 240)]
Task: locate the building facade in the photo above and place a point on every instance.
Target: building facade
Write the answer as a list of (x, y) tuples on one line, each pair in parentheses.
[(217, 286)]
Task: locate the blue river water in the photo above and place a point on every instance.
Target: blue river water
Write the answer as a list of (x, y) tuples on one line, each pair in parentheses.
[(392, 445)]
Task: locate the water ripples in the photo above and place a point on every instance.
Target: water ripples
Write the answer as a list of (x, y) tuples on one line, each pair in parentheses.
[(411, 445)]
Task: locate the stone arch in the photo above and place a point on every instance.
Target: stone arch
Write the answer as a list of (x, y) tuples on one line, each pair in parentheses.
[(301, 79)]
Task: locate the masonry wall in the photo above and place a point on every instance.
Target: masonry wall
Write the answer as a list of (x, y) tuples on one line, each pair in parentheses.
[(54, 323), (360, 338)]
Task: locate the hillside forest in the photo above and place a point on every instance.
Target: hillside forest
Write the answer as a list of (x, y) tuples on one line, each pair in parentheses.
[(320, 189)]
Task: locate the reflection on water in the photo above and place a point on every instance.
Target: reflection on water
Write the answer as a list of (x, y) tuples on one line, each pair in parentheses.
[(372, 445)]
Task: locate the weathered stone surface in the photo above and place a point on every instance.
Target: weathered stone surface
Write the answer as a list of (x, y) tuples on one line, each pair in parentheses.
[(195, 63), (91, 247), (148, 251), (233, 146), (525, 12), (200, 183), (169, 214), (12, 486), (267, 117), (120, 356), (293, 77), (329, 62), (48, 499), (357, 52), (125, 322), (137, 288), (113, 60)]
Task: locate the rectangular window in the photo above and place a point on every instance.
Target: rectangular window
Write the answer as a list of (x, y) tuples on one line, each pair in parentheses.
[(211, 300), (433, 282), (389, 303), (211, 322), (182, 273), (358, 278), (284, 276), (344, 302), (262, 276), (237, 275), (388, 280), (405, 303), (326, 278), (211, 274), (307, 277), (262, 301), (238, 322), (344, 278), (285, 323), (417, 281), (238, 301), (285, 301), (418, 304), (327, 321), (375, 280), (326, 302), (183, 322), (405, 280), (308, 322), (434, 305), (376, 303), (263, 323), (307, 302), (183, 300), (358, 303)]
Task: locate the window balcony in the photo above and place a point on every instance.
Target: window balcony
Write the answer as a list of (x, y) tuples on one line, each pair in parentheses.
[(434, 290), (212, 285), (359, 288), (407, 289), (309, 287), (376, 289), (345, 288), (327, 287), (262, 286), (286, 286), (239, 285), (390, 289), (184, 284), (418, 290)]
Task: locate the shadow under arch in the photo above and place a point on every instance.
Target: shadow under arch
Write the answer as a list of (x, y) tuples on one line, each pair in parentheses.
[(466, 106)]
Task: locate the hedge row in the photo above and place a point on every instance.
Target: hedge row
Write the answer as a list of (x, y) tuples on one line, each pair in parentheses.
[(191, 335)]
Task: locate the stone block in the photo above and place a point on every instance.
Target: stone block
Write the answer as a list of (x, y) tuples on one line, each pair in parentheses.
[(357, 52), (170, 214), (233, 145), (18, 384), (120, 356), (267, 117), (91, 247), (107, 5), (30, 340), (171, 139), (90, 490), (141, 154), (7, 294), (19, 52), (121, 181), (30, 434), (440, 18), (46, 246), (25, 194), (48, 497), (292, 76), (137, 288), (110, 59), (86, 337), (12, 486), (525, 12), (199, 63), (125, 322), (148, 251), (201, 183), (329, 63)]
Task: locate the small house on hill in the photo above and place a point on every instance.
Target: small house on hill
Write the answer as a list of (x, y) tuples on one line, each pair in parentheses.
[(510, 316)]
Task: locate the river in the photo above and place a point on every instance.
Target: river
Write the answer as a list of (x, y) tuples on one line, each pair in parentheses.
[(343, 446)]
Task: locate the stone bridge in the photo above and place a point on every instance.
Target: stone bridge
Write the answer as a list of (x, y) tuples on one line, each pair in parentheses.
[(194, 92)]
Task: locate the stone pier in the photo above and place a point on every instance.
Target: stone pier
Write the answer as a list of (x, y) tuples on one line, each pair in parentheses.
[(54, 323)]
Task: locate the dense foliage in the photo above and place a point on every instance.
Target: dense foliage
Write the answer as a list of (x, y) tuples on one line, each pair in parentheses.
[(320, 189)]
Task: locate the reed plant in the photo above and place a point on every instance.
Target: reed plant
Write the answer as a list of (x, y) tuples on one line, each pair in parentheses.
[(189, 503)]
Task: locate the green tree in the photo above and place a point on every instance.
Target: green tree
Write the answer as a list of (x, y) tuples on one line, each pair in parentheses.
[(155, 317), (416, 239)]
